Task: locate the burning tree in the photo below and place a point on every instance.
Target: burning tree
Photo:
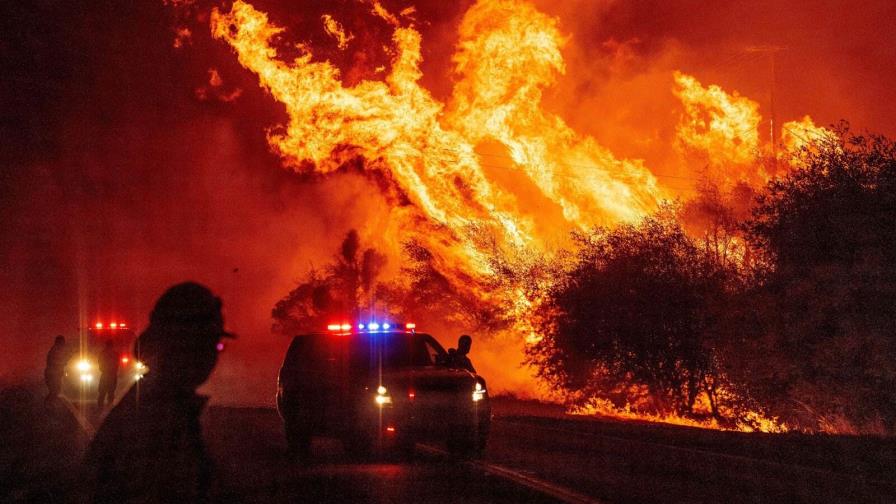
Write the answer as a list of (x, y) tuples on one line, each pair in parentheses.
[(350, 286), (632, 319), (344, 287), (424, 293)]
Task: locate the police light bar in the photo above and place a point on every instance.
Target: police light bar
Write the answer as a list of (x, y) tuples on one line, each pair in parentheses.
[(113, 325), (370, 327)]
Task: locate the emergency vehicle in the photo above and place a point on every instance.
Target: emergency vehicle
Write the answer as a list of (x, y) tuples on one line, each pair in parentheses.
[(379, 387), (82, 373)]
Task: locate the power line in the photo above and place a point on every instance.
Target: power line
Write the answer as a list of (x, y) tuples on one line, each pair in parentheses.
[(568, 165), (596, 167), (589, 167), (818, 136)]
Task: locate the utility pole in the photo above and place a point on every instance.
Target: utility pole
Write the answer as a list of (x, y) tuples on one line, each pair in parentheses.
[(772, 51), (771, 101)]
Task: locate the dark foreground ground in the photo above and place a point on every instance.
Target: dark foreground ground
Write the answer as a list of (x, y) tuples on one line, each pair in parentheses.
[(535, 454)]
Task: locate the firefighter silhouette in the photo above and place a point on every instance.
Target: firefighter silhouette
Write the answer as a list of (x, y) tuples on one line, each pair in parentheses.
[(457, 357), (150, 447), (108, 363), (57, 358)]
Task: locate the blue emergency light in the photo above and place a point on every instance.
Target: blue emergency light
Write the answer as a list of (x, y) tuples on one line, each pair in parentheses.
[(345, 327)]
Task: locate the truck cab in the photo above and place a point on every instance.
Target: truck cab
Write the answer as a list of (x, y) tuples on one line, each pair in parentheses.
[(82, 372)]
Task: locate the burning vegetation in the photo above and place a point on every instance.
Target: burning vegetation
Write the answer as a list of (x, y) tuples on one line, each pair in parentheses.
[(760, 300)]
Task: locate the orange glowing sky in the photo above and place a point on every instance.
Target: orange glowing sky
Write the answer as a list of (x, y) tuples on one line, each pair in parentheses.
[(135, 153)]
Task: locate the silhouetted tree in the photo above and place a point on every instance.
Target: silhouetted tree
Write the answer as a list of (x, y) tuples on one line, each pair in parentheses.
[(423, 292), (308, 307), (824, 337), (635, 310), (714, 218), (343, 290)]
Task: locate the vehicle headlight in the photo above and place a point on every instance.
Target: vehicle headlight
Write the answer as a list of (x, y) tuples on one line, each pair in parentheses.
[(83, 365), (139, 370), (382, 396), (478, 392), (86, 377)]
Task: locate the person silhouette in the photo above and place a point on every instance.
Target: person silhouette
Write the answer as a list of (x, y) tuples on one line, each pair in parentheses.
[(457, 358), (150, 448), (57, 358), (108, 364)]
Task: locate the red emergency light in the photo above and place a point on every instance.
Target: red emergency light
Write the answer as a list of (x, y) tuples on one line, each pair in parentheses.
[(370, 327), (112, 325)]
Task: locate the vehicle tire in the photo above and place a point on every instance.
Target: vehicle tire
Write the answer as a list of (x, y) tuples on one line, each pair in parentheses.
[(298, 440)]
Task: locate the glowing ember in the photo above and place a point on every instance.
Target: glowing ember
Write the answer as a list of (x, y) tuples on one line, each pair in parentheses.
[(335, 30)]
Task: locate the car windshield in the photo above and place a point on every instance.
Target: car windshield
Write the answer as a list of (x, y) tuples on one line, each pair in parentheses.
[(392, 350), (365, 351)]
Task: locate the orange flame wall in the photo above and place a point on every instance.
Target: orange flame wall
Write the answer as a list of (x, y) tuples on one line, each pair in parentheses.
[(175, 168), (492, 158), (507, 55)]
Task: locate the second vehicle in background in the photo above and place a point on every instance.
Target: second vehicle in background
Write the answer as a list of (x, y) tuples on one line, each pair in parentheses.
[(82, 374)]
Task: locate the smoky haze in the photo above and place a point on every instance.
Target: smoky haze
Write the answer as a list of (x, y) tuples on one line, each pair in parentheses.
[(833, 61), (129, 164), (120, 181)]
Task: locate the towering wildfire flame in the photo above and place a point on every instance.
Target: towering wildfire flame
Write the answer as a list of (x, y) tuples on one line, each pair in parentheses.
[(491, 161), (508, 53), (722, 126)]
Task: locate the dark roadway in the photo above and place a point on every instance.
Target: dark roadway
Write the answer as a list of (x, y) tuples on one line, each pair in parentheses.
[(535, 454), (248, 447), (556, 458)]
